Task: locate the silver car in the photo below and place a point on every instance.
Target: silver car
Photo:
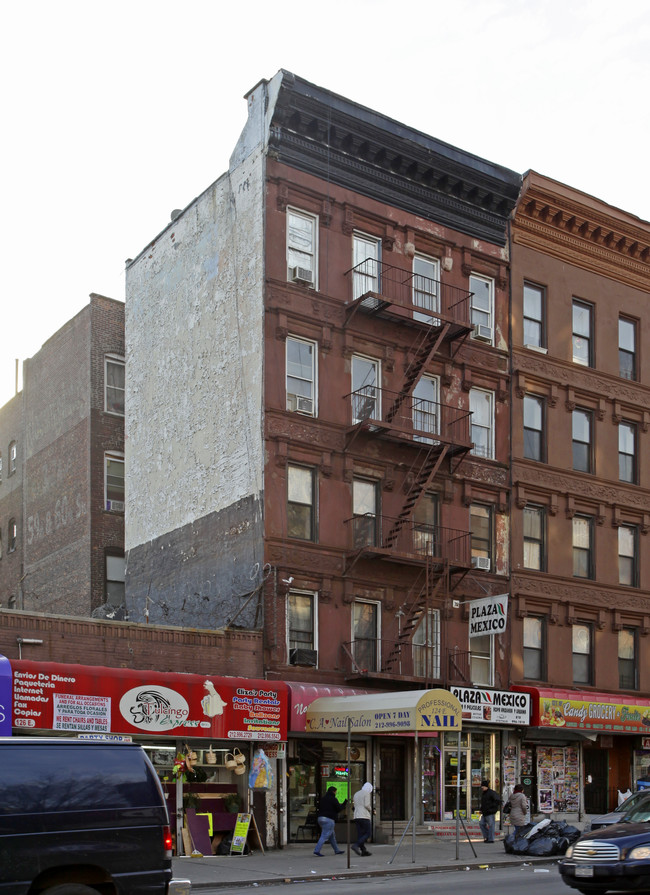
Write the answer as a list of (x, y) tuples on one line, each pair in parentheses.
[(636, 800)]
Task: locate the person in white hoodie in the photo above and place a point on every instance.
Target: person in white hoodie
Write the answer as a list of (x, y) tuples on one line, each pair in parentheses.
[(362, 819)]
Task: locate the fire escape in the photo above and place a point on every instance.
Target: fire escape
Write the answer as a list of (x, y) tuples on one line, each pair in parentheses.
[(437, 315)]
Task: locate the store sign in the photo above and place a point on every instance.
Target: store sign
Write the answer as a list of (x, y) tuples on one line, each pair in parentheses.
[(585, 715), (87, 699), (488, 616), (493, 706), (399, 712)]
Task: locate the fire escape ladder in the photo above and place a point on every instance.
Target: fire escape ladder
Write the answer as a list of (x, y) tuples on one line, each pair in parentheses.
[(428, 469), (428, 346), (415, 613)]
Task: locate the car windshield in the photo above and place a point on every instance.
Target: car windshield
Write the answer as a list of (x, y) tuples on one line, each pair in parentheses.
[(639, 813), (632, 801)]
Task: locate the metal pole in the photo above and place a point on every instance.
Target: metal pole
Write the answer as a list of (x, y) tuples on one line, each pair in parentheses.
[(349, 784), (458, 802), (415, 781)]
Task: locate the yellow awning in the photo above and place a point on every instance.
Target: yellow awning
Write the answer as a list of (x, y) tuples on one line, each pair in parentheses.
[(405, 711)]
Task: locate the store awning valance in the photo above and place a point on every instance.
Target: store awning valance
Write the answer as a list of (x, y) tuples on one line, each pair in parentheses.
[(587, 710), (402, 712)]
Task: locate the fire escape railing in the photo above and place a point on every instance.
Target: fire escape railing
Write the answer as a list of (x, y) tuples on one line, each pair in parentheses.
[(370, 655), (416, 539)]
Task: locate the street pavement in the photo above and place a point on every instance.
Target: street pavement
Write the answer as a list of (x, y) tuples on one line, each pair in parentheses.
[(297, 862)]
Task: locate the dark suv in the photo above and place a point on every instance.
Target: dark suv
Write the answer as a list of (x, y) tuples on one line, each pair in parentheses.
[(81, 817)]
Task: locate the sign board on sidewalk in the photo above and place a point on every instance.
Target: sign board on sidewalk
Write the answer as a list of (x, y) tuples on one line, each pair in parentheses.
[(240, 834), (488, 616)]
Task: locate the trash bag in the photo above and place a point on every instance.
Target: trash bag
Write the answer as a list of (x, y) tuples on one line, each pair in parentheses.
[(521, 846), (542, 846), (508, 843)]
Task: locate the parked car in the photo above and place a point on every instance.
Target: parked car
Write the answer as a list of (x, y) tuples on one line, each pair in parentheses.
[(82, 817), (615, 857), (615, 817)]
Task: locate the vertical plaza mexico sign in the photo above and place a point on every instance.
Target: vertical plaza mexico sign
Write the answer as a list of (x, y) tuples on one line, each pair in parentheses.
[(488, 616)]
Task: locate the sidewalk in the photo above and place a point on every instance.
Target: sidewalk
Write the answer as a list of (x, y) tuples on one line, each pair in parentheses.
[(297, 862)]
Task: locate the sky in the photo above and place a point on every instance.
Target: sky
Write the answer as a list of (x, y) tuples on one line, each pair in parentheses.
[(115, 113)]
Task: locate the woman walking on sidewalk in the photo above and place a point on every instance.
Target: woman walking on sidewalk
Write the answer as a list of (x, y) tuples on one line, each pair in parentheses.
[(327, 814)]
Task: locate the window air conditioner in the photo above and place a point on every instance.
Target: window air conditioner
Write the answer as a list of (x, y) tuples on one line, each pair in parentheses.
[(117, 506), (304, 405), (308, 657), (302, 275), (482, 333), (481, 562)]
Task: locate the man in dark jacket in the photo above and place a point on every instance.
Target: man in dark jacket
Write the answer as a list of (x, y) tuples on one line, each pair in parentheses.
[(328, 811), (490, 804)]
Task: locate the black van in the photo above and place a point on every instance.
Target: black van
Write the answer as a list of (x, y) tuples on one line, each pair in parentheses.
[(81, 817)]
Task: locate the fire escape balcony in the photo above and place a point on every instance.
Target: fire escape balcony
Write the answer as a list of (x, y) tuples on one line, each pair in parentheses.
[(368, 658), (408, 541)]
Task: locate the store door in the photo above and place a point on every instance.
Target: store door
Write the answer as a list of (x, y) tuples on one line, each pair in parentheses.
[(392, 782), (596, 780)]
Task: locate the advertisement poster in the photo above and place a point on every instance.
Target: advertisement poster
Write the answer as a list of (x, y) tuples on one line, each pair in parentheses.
[(94, 699), (240, 834)]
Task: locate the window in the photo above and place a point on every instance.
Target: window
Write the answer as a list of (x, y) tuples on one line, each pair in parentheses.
[(582, 334), (627, 452), (425, 518), (426, 274), (301, 620), (114, 381), (301, 376), (583, 547), (364, 512), (365, 635), (425, 408), (13, 455), (581, 435), (480, 658), (366, 264), (300, 503), (627, 348), (0, 543), (0, 466), (480, 517), (628, 541), (534, 648), (535, 538), (115, 577), (481, 405), (302, 247), (627, 676), (12, 536), (114, 482), (426, 646), (481, 309), (365, 391), (534, 303), (582, 654), (534, 441)]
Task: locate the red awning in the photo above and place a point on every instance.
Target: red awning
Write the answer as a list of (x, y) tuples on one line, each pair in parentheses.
[(587, 710)]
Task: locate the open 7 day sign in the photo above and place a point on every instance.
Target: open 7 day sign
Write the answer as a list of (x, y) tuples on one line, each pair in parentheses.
[(88, 699)]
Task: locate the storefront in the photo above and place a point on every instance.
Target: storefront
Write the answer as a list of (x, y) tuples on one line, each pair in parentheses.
[(584, 748), (220, 723)]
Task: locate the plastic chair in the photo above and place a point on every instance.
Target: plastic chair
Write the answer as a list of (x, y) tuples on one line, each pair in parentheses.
[(310, 826)]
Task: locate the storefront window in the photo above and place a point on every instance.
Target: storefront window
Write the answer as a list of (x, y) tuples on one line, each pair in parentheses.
[(479, 760), (430, 777)]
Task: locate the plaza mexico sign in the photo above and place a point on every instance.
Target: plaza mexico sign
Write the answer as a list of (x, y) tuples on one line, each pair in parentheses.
[(488, 616), (401, 712), (493, 706)]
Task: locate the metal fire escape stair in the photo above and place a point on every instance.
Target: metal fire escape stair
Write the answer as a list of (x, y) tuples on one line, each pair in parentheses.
[(426, 470), (427, 347), (414, 615)]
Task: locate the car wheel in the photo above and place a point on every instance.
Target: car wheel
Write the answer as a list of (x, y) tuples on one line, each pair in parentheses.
[(70, 889)]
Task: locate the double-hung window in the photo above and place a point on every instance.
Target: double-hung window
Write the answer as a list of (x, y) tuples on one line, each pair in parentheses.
[(627, 348), (301, 517), (13, 536), (582, 639), (365, 389), (583, 333), (481, 661), (582, 422), (365, 500), (301, 376), (365, 635), (627, 663), (535, 538), (628, 541), (534, 441), (115, 580), (481, 524), (481, 405), (366, 265), (301, 621), (426, 646), (302, 247), (114, 385), (13, 457), (114, 482), (534, 648), (426, 276), (425, 531), (425, 408), (482, 307), (627, 452), (534, 305), (583, 548)]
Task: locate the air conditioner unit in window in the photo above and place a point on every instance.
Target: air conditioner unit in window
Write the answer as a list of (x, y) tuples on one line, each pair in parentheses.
[(481, 562), (302, 275), (482, 333), (308, 657), (304, 405), (117, 506)]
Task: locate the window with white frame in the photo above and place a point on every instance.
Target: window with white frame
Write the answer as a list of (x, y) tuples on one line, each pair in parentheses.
[(365, 635), (426, 535), (301, 621), (426, 407), (482, 306), (426, 646), (582, 638), (534, 305), (114, 385), (481, 405), (366, 255), (482, 535), (114, 482), (583, 340), (365, 389), (365, 512), (115, 578), (627, 659), (301, 376), (535, 538), (481, 663), (301, 515), (302, 247), (13, 536), (534, 648), (426, 276), (13, 457), (583, 547), (628, 541)]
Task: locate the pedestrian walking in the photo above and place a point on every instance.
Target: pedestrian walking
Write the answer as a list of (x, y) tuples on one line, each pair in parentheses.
[(490, 804), (328, 811), (362, 819), (518, 808)]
